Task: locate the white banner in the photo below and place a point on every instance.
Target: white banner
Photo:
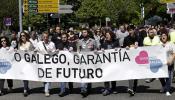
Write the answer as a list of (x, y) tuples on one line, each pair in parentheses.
[(65, 66)]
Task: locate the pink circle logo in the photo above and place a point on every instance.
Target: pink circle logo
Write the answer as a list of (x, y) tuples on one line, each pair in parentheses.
[(142, 58)]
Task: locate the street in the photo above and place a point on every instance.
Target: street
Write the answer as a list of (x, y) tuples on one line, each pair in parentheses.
[(145, 91)]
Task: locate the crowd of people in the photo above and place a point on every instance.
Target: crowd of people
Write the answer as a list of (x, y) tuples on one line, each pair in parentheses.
[(94, 39)]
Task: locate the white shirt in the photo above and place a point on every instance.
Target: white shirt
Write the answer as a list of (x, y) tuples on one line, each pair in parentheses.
[(44, 48), (6, 49), (34, 42), (120, 35), (26, 46), (170, 49)]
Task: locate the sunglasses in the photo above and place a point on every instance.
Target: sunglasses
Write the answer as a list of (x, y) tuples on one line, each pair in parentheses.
[(3, 40), (64, 37), (84, 32), (22, 35)]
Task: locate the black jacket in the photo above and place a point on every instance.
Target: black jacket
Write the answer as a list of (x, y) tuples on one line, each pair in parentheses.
[(110, 44), (66, 45), (130, 40)]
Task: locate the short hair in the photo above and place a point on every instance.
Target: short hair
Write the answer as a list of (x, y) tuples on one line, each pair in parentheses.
[(45, 32), (164, 30), (65, 34), (130, 27), (150, 29)]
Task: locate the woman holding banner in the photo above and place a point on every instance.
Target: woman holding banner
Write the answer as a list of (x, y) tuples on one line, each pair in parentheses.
[(5, 47), (25, 45), (170, 50), (109, 43)]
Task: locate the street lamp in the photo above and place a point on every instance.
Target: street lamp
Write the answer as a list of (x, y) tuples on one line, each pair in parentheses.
[(20, 16)]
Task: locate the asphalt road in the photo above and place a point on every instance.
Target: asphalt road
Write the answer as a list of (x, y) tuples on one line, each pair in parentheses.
[(145, 91)]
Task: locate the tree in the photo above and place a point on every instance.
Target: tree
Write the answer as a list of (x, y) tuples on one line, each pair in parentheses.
[(9, 8), (34, 20), (92, 10)]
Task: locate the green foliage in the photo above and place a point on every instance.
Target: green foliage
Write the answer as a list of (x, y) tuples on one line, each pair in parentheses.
[(33, 20), (9, 8), (91, 11)]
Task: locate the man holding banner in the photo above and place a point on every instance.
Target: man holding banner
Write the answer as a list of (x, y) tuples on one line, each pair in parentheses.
[(130, 42), (46, 47), (86, 44), (65, 45), (151, 40)]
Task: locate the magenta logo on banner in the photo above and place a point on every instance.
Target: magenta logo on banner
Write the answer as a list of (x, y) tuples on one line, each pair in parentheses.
[(142, 58)]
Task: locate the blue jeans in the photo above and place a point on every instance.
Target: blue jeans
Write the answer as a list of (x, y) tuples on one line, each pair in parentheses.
[(63, 87), (47, 86), (133, 85), (84, 87), (26, 84), (166, 82)]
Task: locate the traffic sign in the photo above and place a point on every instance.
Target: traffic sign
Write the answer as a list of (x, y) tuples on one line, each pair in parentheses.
[(32, 2), (41, 6), (108, 19), (48, 1), (167, 1), (8, 21), (66, 6), (171, 11), (65, 11), (25, 1), (170, 5), (47, 10)]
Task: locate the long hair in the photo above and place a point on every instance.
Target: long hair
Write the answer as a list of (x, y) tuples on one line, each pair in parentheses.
[(26, 36), (113, 37), (7, 41)]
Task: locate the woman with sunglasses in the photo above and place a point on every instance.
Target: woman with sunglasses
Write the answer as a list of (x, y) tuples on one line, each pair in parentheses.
[(25, 45), (5, 47)]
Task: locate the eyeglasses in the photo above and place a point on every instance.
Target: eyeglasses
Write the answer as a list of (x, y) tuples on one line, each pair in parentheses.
[(151, 32), (64, 37), (84, 32), (22, 35), (3, 40)]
